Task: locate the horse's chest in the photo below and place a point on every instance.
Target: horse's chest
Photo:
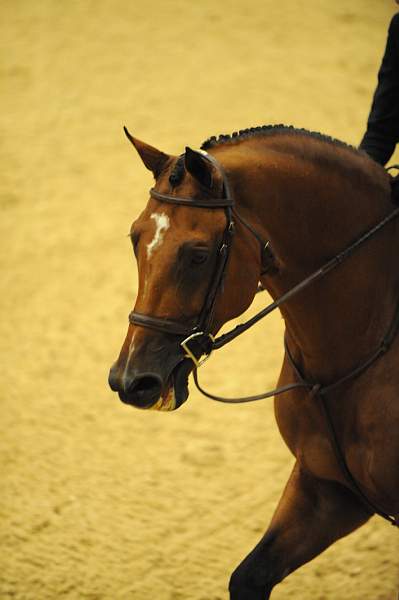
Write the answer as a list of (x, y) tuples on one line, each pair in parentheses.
[(306, 436)]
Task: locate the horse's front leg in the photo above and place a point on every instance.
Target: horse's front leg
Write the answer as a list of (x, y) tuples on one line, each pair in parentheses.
[(311, 515)]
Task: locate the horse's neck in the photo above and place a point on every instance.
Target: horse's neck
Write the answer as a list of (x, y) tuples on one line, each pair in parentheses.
[(309, 217)]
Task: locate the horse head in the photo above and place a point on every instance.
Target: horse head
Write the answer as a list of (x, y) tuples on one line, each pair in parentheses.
[(184, 284)]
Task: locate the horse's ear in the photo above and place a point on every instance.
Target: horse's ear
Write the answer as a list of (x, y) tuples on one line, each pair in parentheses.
[(153, 159), (198, 167)]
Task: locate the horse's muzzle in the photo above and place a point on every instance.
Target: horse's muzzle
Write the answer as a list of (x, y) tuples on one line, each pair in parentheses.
[(142, 391), (149, 391)]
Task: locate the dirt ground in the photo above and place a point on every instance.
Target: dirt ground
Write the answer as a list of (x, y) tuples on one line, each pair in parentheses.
[(100, 501)]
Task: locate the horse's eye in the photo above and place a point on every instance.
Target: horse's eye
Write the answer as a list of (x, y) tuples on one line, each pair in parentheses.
[(199, 256)]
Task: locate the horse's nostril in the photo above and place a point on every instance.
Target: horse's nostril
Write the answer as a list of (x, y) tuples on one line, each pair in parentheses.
[(113, 380), (145, 384), (144, 391)]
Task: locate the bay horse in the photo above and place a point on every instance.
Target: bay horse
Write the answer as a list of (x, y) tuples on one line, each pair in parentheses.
[(273, 204)]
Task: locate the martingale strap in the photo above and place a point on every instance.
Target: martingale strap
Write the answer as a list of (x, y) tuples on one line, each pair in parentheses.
[(319, 393)]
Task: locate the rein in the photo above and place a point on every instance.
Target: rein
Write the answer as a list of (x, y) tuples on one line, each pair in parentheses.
[(199, 341), (224, 339)]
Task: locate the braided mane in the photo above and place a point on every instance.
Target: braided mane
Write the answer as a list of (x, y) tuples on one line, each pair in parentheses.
[(268, 130), (177, 173)]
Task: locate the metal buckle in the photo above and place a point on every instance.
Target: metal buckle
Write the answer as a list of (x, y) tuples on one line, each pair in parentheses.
[(189, 354)]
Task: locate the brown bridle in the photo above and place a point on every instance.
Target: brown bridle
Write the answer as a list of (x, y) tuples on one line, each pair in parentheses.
[(198, 340)]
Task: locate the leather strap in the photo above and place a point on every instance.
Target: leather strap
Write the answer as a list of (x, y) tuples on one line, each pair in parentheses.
[(242, 399), (192, 202), (224, 339), (319, 393), (159, 323)]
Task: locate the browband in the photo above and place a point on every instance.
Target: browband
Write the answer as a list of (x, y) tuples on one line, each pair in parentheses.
[(192, 202)]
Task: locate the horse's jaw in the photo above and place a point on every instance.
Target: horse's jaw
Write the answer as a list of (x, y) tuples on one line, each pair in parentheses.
[(177, 391)]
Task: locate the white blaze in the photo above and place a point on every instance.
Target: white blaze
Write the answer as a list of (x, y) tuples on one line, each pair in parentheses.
[(131, 348), (162, 225)]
